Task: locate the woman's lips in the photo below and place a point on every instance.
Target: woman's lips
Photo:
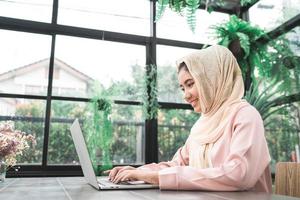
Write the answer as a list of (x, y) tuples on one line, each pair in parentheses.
[(194, 103)]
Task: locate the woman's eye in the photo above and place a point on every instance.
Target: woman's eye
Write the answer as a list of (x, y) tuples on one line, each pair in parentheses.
[(190, 84)]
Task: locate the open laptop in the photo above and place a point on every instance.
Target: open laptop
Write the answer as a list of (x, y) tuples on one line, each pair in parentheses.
[(100, 183)]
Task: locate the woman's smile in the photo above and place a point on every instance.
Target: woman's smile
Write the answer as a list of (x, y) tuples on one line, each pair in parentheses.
[(194, 102)]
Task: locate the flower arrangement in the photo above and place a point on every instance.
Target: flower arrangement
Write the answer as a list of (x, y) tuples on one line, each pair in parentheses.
[(12, 142)]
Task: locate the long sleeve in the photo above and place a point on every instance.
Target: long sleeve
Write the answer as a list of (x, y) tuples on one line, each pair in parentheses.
[(242, 167), (180, 159)]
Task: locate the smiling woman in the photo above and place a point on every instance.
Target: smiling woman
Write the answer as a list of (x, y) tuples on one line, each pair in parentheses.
[(187, 85), (226, 149)]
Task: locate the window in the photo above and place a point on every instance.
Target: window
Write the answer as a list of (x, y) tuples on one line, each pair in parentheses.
[(127, 138), (108, 43), (173, 129), (130, 16), (168, 86), (27, 116), (174, 26), (24, 59), (61, 146), (116, 66), (37, 10), (269, 14)]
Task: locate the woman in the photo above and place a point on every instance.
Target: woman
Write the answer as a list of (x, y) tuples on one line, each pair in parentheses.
[(226, 149)]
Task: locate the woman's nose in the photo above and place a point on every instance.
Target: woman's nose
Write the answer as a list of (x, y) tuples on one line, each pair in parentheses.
[(187, 95)]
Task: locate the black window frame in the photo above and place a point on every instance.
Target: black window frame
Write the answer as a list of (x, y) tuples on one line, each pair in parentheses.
[(53, 29)]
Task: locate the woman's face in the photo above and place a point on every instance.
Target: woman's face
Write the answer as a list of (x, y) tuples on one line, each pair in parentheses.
[(188, 86)]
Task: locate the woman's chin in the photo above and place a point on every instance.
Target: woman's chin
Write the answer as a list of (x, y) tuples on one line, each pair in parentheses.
[(197, 110)]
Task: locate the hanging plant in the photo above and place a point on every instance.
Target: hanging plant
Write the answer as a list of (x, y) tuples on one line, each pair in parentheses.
[(186, 8), (149, 96), (99, 130), (242, 39)]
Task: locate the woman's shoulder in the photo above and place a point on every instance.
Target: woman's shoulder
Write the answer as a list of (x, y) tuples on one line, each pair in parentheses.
[(248, 112)]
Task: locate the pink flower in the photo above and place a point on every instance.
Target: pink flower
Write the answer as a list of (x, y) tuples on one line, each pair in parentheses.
[(12, 142)]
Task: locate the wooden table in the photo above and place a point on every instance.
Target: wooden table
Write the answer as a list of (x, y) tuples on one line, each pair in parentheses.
[(76, 188)]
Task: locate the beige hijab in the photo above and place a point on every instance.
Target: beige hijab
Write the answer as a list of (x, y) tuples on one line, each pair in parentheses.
[(220, 86)]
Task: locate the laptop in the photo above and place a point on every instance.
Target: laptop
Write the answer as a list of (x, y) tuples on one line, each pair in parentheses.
[(100, 183)]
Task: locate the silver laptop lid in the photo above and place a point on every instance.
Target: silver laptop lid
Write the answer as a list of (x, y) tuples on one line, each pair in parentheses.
[(83, 154)]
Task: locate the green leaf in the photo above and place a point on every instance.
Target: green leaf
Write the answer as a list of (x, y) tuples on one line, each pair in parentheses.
[(192, 6), (160, 8), (264, 101), (150, 103), (245, 43)]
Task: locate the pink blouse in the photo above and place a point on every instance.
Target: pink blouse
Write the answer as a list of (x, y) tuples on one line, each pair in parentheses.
[(240, 160)]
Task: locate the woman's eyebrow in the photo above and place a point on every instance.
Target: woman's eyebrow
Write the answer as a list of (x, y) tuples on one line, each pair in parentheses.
[(186, 81)]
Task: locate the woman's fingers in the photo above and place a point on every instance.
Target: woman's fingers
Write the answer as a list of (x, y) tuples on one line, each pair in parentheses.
[(125, 175), (117, 178), (126, 168), (116, 170), (113, 173)]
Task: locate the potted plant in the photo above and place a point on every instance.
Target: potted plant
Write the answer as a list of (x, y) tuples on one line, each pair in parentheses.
[(242, 39), (12, 144)]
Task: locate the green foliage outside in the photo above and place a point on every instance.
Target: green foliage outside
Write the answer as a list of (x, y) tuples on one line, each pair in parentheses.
[(34, 109), (174, 128), (283, 133)]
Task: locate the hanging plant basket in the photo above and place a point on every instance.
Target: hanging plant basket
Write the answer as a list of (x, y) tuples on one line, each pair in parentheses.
[(235, 47)]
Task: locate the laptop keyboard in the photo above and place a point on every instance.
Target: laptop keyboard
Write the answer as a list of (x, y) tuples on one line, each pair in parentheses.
[(108, 182)]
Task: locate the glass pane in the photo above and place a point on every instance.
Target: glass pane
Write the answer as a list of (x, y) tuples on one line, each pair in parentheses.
[(24, 62), (36, 10), (294, 37), (283, 134), (168, 86), (130, 16), (174, 26), (28, 116), (61, 149), (118, 67), (173, 129), (128, 135), (273, 13)]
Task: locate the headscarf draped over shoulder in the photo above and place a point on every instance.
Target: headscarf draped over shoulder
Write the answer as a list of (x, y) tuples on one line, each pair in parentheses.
[(220, 86)]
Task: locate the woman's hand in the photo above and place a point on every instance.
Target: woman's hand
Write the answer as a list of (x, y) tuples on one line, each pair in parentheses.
[(113, 172), (146, 176)]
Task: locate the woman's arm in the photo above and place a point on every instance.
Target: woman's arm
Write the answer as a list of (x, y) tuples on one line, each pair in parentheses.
[(242, 168), (180, 159), (148, 172)]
